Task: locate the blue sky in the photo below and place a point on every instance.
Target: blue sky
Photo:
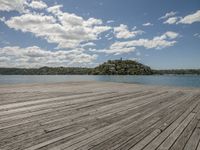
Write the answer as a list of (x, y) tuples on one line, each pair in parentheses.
[(161, 34)]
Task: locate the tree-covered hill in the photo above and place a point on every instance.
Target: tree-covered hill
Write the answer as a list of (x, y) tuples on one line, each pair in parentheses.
[(122, 67)]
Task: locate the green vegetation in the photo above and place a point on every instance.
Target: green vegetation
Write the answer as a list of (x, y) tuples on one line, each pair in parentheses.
[(122, 67), (111, 67), (178, 71), (46, 71)]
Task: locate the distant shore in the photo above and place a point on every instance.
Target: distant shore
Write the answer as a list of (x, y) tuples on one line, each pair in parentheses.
[(111, 67)]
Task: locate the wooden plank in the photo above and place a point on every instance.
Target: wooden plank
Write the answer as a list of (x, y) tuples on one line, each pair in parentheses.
[(146, 140), (118, 130), (54, 140), (116, 141), (43, 101), (156, 142), (198, 148), (184, 137), (59, 105), (194, 139), (22, 128), (47, 116), (174, 135), (166, 117), (127, 115)]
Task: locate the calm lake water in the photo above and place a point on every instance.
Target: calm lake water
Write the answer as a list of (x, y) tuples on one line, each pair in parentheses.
[(169, 80)]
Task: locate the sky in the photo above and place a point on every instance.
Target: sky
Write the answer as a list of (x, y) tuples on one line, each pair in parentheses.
[(85, 33)]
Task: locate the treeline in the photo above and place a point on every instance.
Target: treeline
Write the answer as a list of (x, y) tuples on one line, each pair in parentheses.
[(46, 71), (111, 67), (177, 71)]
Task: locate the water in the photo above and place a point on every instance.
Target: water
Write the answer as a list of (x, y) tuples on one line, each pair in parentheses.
[(169, 80)]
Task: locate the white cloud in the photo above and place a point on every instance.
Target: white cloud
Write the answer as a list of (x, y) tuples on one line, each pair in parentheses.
[(88, 44), (122, 32), (171, 20), (148, 24), (188, 19), (191, 18), (197, 35), (110, 21), (115, 50), (37, 57), (37, 4), (13, 5), (55, 9), (158, 42), (167, 35), (169, 14), (2, 19), (69, 31), (72, 33)]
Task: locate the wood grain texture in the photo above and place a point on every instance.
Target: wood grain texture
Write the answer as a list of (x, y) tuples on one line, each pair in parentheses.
[(98, 116)]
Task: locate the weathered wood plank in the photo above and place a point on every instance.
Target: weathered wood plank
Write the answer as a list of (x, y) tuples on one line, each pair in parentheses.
[(155, 143), (186, 134), (98, 116), (125, 126), (167, 117), (194, 139), (146, 140), (174, 135), (118, 140)]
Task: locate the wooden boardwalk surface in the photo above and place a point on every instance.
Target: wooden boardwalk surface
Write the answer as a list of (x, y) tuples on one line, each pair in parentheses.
[(98, 116)]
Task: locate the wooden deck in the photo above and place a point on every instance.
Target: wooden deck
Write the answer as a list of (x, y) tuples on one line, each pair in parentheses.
[(98, 116)]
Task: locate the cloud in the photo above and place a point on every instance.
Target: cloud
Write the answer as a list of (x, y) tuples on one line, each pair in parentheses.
[(122, 32), (188, 19), (89, 44), (158, 42), (197, 35), (110, 21), (168, 35), (55, 9), (36, 57), (191, 18), (169, 14), (2, 19), (115, 50), (37, 4), (13, 5), (67, 30), (148, 24), (171, 20)]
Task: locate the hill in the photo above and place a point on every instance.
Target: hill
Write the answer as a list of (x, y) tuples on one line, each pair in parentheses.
[(122, 67)]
